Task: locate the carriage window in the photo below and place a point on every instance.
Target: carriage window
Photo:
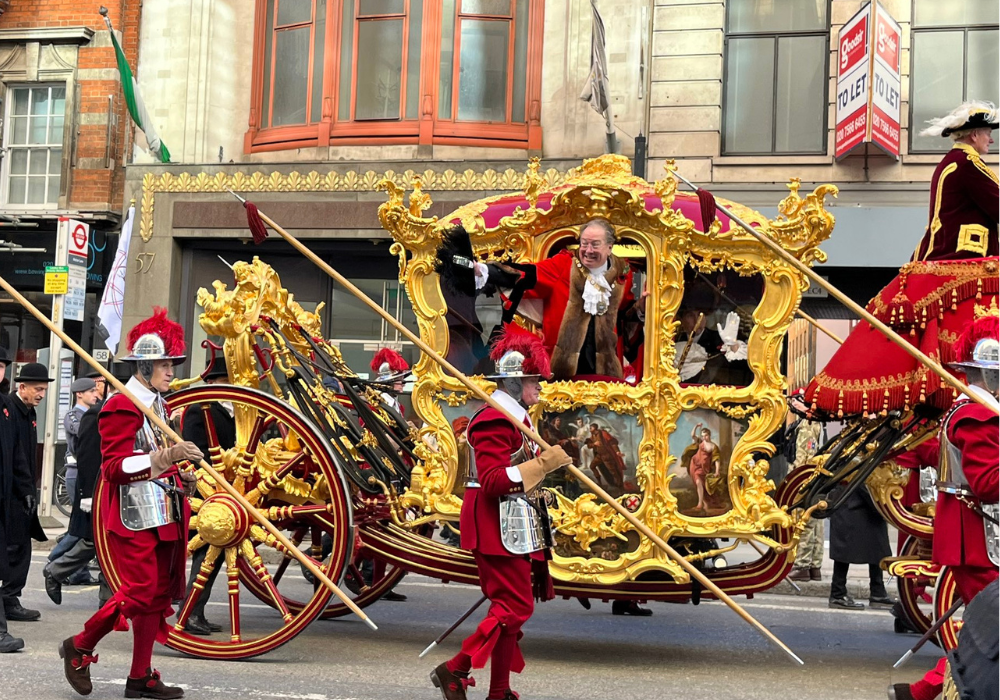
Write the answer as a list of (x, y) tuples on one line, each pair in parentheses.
[(713, 325)]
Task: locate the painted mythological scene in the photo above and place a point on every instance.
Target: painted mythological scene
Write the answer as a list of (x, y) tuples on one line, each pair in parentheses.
[(702, 445)]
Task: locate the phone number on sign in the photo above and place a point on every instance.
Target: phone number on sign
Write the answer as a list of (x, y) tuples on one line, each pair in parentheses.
[(851, 127), (890, 130)]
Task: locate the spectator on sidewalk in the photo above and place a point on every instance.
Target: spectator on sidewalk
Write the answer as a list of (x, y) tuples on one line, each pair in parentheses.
[(858, 535), (809, 556), (73, 562), (32, 382)]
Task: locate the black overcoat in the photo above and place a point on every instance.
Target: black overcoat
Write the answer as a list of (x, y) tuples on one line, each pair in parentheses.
[(193, 428), (88, 464), (858, 534), (17, 483)]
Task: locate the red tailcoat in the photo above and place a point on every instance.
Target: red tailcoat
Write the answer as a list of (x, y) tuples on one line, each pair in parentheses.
[(119, 422), (959, 539), (552, 288), (494, 440), (964, 205)]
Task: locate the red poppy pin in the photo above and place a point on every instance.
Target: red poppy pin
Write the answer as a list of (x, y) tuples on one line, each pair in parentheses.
[(6, 413)]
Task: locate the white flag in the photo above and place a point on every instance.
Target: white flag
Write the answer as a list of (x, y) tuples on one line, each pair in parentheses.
[(113, 300)]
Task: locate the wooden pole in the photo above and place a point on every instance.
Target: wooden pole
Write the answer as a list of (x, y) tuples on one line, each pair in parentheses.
[(167, 430), (913, 352), (528, 432)]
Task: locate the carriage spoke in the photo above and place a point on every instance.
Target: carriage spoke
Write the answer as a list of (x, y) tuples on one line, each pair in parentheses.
[(250, 555), (233, 581), (272, 480), (296, 538), (196, 542), (198, 588)]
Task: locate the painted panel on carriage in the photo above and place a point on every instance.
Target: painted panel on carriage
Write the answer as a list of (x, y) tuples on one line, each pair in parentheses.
[(701, 446)]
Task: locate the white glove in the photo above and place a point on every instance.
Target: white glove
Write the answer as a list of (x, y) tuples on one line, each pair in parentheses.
[(733, 348), (86, 504)]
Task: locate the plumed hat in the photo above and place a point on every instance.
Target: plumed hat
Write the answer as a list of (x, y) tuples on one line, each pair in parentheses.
[(389, 365), (979, 344), (156, 338), (968, 115), (519, 353)]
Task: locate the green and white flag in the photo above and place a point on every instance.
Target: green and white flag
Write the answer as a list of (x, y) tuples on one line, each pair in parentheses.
[(136, 107)]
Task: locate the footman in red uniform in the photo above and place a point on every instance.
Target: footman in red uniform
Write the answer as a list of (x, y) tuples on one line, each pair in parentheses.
[(504, 470), (968, 480), (144, 514)]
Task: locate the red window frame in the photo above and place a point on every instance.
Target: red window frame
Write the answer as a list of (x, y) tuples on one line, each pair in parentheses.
[(428, 128)]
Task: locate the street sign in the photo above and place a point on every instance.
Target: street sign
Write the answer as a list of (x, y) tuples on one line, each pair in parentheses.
[(868, 82), (56, 279), (77, 237)]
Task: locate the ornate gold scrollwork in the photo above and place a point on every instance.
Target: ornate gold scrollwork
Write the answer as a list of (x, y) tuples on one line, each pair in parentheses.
[(605, 187)]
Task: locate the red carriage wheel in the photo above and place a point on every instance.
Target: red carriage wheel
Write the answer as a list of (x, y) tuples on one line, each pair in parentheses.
[(286, 468), (945, 596), (916, 593)]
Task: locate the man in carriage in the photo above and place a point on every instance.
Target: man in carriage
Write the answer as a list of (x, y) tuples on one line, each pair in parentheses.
[(505, 468), (144, 515)]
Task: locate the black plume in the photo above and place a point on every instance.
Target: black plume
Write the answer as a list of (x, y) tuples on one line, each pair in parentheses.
[(454, 260)]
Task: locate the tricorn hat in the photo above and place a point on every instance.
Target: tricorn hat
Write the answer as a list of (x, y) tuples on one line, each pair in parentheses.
[(33, 372), (519, 353), (968, 115), (156, 338)]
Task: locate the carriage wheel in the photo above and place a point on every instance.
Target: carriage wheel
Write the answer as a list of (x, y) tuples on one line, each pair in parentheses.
[(944, 597), (915, 593), (283, 465)]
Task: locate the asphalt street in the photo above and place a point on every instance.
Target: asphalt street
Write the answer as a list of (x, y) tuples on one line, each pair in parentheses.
[(682, 651)]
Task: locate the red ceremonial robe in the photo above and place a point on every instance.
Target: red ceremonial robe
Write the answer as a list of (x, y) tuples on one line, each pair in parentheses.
[(553, 288)]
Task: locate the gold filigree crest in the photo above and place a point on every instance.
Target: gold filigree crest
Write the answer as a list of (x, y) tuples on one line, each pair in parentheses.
[(605, 187)]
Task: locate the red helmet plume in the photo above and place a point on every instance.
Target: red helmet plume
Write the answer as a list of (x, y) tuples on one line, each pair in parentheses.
[(156, 338), (387, 362), (516, 339), (985, 328)]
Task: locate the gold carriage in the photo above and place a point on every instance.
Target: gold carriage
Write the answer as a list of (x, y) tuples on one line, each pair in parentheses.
[(368, 496)]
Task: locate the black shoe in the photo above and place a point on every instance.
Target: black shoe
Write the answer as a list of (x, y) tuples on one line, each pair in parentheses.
[(150, 686), (53, 588), (451, 685), (17, 613), (629, 607), (585, 602), (9, 644), (845, 603), (198, 626), (881, 603), (394, 597)]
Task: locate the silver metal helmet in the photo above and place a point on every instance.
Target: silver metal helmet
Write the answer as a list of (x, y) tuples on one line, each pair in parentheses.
[(511, 366), (986, 355), (150, 347)]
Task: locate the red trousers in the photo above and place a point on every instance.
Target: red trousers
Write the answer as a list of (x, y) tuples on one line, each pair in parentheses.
[(149, 580), (506, 581), (969, 580)]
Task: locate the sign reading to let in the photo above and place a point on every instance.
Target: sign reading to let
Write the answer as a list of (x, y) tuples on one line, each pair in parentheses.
[(868, 83), (56, 279)]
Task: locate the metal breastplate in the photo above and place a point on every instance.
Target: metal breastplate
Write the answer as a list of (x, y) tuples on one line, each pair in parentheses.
[(524, 518), (145, 505), (952, 480)]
